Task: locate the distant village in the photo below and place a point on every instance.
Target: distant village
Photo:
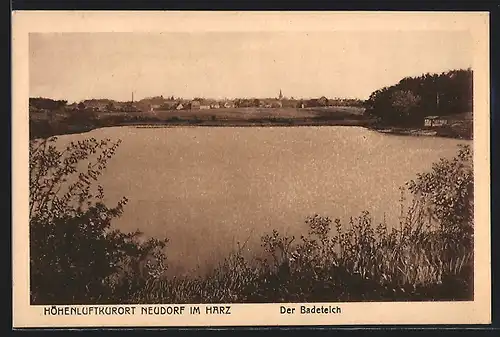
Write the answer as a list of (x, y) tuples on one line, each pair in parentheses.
[(169, 103), (401, 111), (49, 117)]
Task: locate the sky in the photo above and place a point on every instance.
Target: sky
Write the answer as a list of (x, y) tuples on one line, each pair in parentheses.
[(78, 66)]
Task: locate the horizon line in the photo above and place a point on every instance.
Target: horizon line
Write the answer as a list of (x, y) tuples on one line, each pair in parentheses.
[(198, 97)]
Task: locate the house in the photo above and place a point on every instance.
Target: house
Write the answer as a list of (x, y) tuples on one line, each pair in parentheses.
[(274, 104), (195, 105), (153, 107), (215, 106), (289, 103), (229, 105), (169, 105), (130, 108), (271, 103), (96, 104), (301, 104), (434, 121), (179, 106), (204, 107)]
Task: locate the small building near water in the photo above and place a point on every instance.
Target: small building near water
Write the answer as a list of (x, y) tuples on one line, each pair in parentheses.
[(434, 121)]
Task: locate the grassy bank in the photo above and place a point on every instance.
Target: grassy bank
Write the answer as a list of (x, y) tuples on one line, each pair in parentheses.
[(457, 130), (39, 131), (44, 129)]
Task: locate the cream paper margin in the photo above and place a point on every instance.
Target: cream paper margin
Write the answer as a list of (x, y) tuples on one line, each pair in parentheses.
[(477, 23)]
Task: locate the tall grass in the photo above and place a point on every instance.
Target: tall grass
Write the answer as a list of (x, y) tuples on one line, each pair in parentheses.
[(357, 262)]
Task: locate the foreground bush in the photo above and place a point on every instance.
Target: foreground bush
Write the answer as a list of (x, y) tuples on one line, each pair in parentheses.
[(75, 257)]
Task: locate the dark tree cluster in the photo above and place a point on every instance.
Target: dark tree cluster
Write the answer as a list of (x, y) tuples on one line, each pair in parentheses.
[(247, 103), (413, 98), (46, 103), (314, 102)]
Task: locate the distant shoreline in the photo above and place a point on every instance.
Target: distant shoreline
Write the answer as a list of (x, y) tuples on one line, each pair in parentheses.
[(284, 122), (422, 132), (415, 132), (247, 123), (368, 124)]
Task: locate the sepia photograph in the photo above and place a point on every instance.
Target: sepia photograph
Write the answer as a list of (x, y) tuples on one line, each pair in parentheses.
[(307, 168)]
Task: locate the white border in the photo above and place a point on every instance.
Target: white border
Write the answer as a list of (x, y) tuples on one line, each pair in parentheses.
[(477, 23)]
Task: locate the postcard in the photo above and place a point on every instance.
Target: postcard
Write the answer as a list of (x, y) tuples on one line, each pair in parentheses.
[(187, 168)]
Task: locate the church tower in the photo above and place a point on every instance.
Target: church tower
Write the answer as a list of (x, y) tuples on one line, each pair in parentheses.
[(280, 97)]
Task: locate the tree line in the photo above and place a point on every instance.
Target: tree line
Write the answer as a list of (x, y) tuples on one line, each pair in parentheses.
[(42, 103), (413, 98)]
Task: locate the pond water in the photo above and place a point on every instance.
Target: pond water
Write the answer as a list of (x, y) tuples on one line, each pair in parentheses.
[(209, 188)]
